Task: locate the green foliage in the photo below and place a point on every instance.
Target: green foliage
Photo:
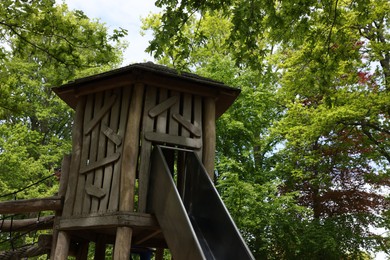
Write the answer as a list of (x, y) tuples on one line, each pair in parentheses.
[(310, 130), (42, 45)]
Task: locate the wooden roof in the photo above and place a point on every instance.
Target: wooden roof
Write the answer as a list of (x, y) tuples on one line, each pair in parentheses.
[(152, 74)]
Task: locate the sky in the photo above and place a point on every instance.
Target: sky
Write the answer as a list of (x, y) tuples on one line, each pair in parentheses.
[(125, 14)]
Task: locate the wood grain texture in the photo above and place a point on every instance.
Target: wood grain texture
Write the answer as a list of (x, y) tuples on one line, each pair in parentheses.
[(103, 157), (110, 134), (77, 142), (161, 121), (29, 224), (194, 143), (113, 146), (93, 152), (99, 114), (110, 220), (65, 169), (86, 140), (186, 113), (175, 109), (113, 203), (188, 125), (62, 248), (209, 140), (122, 243), (146, 149), (163, 106), (130, 150), (94, 165)]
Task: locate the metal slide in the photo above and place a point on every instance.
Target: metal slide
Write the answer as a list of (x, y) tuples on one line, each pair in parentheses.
[(199, 225)]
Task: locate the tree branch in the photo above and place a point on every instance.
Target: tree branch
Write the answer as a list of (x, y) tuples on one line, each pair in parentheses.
[(380, 147), (30, 43), (331, 27)]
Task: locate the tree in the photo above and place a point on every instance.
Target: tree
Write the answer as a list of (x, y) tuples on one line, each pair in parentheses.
[(43, 45), (243, 159), (326, 66)]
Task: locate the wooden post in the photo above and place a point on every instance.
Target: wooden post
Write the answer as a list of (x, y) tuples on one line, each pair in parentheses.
[(65, 168), (82, 252), (62, 247), (122, 243), (100, 248), (130, 151), (128, 171), (159, 254), (209, 139)]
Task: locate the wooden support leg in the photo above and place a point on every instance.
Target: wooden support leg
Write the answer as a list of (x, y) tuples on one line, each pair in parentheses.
[(65, 168), (62, 248), (122, 243), (159, 254), (100, 249), (54, 243), (82, 252)]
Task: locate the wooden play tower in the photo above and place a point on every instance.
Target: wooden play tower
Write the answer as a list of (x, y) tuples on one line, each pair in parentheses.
[(132, 124)]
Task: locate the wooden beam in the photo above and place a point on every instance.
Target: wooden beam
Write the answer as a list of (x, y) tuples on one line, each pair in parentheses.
[(176, 84), (195, 143), (188, 125), (114, 137), (124, 80), (129, 219), (91, 124), (147, 237), (30, 205), (27, 224), (163, 106), (93, 165)]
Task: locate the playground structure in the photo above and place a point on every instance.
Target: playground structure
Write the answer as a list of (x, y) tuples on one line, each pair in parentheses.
[(141, 169)]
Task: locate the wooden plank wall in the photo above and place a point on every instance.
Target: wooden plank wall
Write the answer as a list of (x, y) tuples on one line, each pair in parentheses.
[(169, 118), (104, 123)]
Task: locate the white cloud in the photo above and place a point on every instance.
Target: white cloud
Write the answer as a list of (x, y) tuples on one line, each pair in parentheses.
[(125, 14)]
